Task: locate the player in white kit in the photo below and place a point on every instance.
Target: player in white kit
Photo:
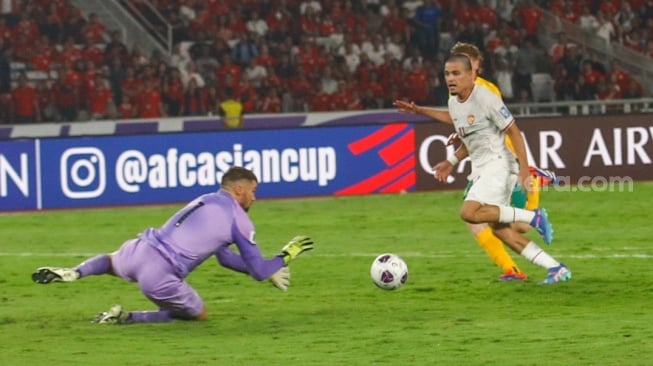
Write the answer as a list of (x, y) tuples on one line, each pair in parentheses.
[(482, 121)]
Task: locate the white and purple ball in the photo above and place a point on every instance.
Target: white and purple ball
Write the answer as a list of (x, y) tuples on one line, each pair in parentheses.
[(389, 271)]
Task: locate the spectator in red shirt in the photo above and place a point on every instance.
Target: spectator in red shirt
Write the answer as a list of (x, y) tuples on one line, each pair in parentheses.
[(486, 15), (218, 7), (618, 74), (149, 103), (355, 103), (27, 27), (592, 76), (392, 74), (307, 57), (364, 68), (264, 58), (463, 12), (559, 48), (320, 101), (66, 97), (246, 93), (416, 83), (130, 85), (194, 103), (633, 91), (608, 7), (373, 85), (396, 23), (271, 103), (126, 109), (569, 12), (22, 48), (70, 53), (25, 102), (300, 85), (94, 30), (46, 101), (341, 99), (228, 67), (309, 23), (530, 15), (46, 56), (272, 80), (607, 90), (173, 92), (235, 23), (100, 99), (91, 51)]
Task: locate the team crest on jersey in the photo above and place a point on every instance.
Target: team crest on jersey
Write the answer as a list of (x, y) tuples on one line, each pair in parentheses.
[(504, 112), (471, 119)]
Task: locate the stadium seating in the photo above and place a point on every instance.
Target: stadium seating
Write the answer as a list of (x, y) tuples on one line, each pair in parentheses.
[(311, 33)]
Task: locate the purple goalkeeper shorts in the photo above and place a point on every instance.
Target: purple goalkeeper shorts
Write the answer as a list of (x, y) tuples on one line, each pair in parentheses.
[(138, 262)]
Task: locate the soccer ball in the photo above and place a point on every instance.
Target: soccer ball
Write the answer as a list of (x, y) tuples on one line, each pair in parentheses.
[(389, 271)]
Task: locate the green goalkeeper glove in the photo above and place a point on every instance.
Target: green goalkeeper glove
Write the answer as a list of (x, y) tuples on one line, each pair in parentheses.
[(281, 278), (295, 247)]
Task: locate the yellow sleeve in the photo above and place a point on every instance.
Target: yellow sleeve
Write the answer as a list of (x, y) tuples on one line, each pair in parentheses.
[(488, 85), (509, 144)]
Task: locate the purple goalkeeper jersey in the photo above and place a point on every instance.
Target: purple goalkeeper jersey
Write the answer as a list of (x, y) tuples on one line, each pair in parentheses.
[(207, 226)]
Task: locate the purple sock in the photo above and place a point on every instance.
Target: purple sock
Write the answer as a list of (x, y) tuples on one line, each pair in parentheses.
[(97, 265), (157, 316)]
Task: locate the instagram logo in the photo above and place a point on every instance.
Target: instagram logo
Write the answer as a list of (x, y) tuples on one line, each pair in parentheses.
[(83, 172)]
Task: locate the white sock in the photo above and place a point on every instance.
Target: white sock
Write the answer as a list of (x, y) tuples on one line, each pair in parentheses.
[(509, 214), (538, 256)]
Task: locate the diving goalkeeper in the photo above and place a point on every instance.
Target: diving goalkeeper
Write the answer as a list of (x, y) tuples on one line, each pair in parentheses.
[(160, 259)]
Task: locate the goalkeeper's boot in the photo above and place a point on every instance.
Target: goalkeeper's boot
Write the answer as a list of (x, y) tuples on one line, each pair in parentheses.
[(115, 315), (560, 273), (45, 275), (512, 275), (541, 223)]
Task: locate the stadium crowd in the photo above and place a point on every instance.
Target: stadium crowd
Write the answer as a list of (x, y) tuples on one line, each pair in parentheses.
[(300, 55)]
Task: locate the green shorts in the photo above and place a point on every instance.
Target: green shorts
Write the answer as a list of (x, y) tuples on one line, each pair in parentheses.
[(517, 199)]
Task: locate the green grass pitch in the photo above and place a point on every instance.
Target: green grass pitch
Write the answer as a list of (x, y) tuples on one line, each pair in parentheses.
[(452, 311)]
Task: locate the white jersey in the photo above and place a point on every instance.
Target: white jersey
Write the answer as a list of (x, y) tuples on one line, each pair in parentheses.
[(480, 122)]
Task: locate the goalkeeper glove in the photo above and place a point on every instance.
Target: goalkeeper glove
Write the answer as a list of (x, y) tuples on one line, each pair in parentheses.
[(281, 278), (295, 247)]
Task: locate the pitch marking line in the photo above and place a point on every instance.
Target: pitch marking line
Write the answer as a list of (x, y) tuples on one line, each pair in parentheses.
[(370, 255)]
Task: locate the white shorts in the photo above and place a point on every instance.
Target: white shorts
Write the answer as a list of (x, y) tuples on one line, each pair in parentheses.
[(492, 184)]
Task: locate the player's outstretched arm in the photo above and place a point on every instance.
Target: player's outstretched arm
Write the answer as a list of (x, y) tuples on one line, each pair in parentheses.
[(441, 115), (281, 278), (295, 247)]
